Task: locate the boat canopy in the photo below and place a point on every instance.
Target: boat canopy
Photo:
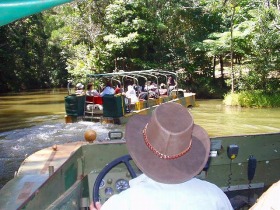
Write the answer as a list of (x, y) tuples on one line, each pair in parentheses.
[(12, 10), (151, 72), (155, 73), (120, 76)]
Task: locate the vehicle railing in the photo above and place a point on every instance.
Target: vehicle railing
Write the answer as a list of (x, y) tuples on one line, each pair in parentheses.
[(151, 75), (132, 77)]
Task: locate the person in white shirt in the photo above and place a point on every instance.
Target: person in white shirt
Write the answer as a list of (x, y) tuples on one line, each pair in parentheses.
[(108, 90), (170, 150), (131, 94)]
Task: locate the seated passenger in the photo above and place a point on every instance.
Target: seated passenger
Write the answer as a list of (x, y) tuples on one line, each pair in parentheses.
[(172, 84), (119, 88), (162, 90), (91, 91), (131, 94), (147, 95), (153, 86), (79, 89), (143, 96), (108, 90), (150, 86), (170, 150), (153, 94), (137, 88)]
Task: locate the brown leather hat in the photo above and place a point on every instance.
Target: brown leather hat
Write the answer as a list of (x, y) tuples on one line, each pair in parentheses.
[(167, 146)]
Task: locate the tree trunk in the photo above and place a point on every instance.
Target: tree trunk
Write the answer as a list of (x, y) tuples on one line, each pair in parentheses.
[(222, 67), (214, 67), (231, 48)]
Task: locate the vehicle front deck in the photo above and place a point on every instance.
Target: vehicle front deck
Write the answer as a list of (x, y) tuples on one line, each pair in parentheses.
[(63, 176)]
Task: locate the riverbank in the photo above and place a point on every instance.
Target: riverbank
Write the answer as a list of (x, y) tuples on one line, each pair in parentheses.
[(258, 99)]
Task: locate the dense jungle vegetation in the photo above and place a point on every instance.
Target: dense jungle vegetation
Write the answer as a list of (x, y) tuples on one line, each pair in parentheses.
[(217, 46)]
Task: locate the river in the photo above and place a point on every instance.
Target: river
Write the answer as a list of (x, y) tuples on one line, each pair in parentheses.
[(34, 120)]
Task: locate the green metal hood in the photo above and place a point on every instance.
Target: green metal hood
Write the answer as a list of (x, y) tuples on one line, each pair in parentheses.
[(11, 10)]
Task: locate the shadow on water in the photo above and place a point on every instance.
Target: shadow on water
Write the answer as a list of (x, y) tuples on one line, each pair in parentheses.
[(32, 121)]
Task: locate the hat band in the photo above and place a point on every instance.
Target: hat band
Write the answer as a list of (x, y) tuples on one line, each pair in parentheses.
[(159, 154)]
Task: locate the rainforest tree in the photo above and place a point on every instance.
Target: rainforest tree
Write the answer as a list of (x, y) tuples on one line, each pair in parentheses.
[(215, 45)]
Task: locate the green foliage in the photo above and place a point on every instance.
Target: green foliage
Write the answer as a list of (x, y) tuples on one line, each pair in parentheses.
[(81, 64), (26, 63), (256, 99), (128, 35), (265, 46), (196, 37), (255, 81), (208, 88)]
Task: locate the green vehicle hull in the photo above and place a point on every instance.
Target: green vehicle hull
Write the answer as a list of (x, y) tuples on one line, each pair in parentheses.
[(62, 177)]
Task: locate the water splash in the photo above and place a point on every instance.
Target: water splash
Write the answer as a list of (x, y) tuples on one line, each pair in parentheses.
[(16, 145)]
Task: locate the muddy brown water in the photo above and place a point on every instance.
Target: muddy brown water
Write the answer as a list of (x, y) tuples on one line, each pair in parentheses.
[(30, 121)]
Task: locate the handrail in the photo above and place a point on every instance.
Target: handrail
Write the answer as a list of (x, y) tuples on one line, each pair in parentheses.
[(151, 76), (125, 73), (130, 77), (175, 75)]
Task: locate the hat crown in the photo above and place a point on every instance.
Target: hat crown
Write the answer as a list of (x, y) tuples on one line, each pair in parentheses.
[(79, 85), (169, 130)]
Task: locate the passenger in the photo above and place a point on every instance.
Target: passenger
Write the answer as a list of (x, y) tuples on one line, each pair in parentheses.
[(162, 89), (153, 94), (150, 91), (143, 96), (119, 89), (137, 88), (150, 94), (170, 150), (131, 94), (79, 89), (172, 84), (90, 91), (153, 86), (147, 86), (108, 90)]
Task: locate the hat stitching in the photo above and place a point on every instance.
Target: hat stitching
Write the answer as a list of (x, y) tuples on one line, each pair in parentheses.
[(159, 154)]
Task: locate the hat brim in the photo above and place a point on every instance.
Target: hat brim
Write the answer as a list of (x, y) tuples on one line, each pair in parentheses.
[(166, 171)]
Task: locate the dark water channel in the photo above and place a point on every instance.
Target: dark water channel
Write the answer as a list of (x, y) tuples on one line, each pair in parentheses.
[(34, 120)]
